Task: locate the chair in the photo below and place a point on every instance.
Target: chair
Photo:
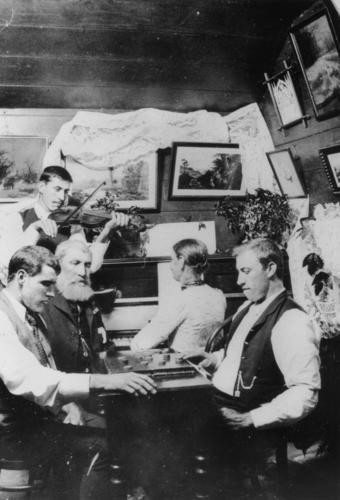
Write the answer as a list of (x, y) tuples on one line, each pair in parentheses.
[(15, 480), (217, 339)]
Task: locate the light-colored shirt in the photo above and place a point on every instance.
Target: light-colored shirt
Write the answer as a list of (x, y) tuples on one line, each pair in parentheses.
[(13, 237), (187, 318), (24, 376), (296, 350)]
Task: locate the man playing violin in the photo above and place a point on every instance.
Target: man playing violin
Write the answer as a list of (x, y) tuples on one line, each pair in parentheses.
[(32, 223)]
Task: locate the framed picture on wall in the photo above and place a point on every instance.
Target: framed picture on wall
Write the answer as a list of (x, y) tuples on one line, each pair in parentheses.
[(205, 170), (285, 173), (317, 49), (330, 158), (134, 184), (21, 160)]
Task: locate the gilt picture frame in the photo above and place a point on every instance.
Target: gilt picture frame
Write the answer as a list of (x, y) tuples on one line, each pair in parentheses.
[(288, 178), (317, 49), (135, 184), (205, 171), (330, 158)]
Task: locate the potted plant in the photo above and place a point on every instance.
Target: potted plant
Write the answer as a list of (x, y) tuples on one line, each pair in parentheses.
[(262, 214)]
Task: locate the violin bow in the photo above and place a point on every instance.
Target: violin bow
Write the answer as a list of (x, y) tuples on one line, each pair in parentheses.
[(76, 210)]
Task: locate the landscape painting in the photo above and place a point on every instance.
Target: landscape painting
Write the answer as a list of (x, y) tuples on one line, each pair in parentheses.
[(206, 170), (133, 184), (21, 160)]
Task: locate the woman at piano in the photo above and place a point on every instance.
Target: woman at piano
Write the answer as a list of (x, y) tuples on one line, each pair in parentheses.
[(188, 316)]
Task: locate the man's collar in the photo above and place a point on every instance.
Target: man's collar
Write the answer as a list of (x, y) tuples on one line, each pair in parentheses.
[(19, 308), (268, 300), (41, 211), (262, 305)]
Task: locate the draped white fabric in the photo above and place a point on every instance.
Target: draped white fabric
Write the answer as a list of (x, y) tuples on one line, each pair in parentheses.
[(99, 140)]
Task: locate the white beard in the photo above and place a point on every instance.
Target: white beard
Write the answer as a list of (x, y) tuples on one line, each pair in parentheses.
[(74, 291)]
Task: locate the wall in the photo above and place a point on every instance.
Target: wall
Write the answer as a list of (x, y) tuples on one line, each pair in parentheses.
[(305, 143), (128, 54)]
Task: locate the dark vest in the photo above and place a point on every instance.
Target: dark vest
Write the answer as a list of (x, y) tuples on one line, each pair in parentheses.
[(16, 410), (259, 379), (29, 216)]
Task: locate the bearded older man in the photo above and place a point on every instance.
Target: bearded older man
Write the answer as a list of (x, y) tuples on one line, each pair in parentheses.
[(74, 325)]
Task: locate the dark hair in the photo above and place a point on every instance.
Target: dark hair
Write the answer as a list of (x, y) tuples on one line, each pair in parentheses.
[(194, 252), (266, 251), (55, 171), (31, 259)]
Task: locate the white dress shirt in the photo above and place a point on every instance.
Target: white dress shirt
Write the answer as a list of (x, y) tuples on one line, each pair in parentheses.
[(188, 317), (24, 376), (296, 351)]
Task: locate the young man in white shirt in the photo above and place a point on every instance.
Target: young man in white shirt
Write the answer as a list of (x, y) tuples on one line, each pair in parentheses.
[(33, 392), (32, 223), (266, 376)]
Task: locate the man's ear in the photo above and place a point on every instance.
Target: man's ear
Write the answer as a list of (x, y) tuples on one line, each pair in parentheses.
[(21, 276), (271, 269)]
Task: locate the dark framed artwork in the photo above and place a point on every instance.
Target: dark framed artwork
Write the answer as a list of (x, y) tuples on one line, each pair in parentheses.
[(286, 175), (134, 184), (21, 159), (330, 158), (317, 49), (205, 170)]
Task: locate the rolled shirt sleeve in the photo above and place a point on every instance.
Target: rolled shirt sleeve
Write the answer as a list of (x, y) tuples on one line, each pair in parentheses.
[(296, 350)]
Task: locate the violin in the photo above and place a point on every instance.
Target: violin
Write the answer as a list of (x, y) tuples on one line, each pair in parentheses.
[(91, 219), (65, 217)]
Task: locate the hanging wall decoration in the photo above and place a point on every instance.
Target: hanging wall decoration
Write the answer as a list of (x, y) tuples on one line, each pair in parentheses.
[(284, 97), (286, 174)]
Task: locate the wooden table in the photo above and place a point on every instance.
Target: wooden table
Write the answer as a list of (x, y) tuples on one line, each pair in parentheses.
[(152, 440)]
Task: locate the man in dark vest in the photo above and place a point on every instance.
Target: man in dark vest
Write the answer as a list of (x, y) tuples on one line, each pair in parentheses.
[(31, 224), (266, 372), (33, 392)]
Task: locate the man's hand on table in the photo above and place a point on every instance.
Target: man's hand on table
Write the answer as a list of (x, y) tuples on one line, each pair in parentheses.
[(133, 383)]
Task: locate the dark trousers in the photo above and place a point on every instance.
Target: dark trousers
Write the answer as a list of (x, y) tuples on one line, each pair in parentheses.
[(77, 456), (234, 459)]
